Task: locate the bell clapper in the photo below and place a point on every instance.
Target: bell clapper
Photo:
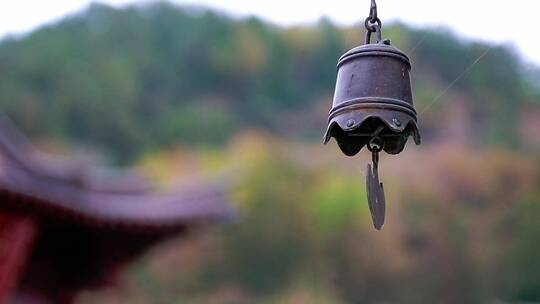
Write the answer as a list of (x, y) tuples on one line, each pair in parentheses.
[(374, 188)]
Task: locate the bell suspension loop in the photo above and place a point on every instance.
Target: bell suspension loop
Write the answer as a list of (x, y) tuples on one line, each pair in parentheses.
[(373, 24)]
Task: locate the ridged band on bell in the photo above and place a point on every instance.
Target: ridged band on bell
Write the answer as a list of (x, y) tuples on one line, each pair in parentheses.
[(373, 89)]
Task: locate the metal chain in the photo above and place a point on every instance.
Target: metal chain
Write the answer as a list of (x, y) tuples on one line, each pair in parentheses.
[(373, 18), (373, 24)]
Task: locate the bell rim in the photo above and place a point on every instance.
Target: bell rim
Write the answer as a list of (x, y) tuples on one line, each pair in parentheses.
[(360, 117)]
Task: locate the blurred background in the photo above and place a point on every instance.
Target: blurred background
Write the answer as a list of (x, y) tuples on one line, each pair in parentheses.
[(180, 90)]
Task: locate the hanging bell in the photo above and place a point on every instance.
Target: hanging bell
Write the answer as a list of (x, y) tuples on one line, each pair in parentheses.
[(373, 90), (373, 106)]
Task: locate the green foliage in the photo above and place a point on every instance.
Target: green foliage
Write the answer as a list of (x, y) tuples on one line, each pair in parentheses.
[(127, 81), (337, 206), (522, 267), (270, 243)]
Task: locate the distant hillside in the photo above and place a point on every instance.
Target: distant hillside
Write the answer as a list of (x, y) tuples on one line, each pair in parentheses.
[(126, 81)]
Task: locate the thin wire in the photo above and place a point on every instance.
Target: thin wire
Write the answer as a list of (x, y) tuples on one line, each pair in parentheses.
[(418, 44), (451, 85)]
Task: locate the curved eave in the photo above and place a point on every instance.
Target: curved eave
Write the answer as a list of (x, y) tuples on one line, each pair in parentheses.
[(205, 204)]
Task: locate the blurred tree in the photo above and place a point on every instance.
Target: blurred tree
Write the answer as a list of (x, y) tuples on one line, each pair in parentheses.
[(131, 80)]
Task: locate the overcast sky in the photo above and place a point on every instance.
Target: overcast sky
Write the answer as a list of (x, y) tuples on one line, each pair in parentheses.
[(516, 21)]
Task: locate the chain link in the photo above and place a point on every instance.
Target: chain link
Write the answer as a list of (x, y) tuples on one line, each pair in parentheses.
[(373, 18), (373, 12), (373, 24)]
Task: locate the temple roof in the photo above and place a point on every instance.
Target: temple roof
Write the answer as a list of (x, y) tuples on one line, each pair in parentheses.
[(68, 189)]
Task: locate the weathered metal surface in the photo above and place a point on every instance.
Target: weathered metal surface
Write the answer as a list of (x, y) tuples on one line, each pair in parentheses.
[(373, 89)]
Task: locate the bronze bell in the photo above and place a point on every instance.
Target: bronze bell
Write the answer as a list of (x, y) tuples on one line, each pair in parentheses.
[(373, 106)]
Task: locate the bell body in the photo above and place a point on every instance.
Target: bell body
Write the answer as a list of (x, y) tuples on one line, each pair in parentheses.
[(373, 94)]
